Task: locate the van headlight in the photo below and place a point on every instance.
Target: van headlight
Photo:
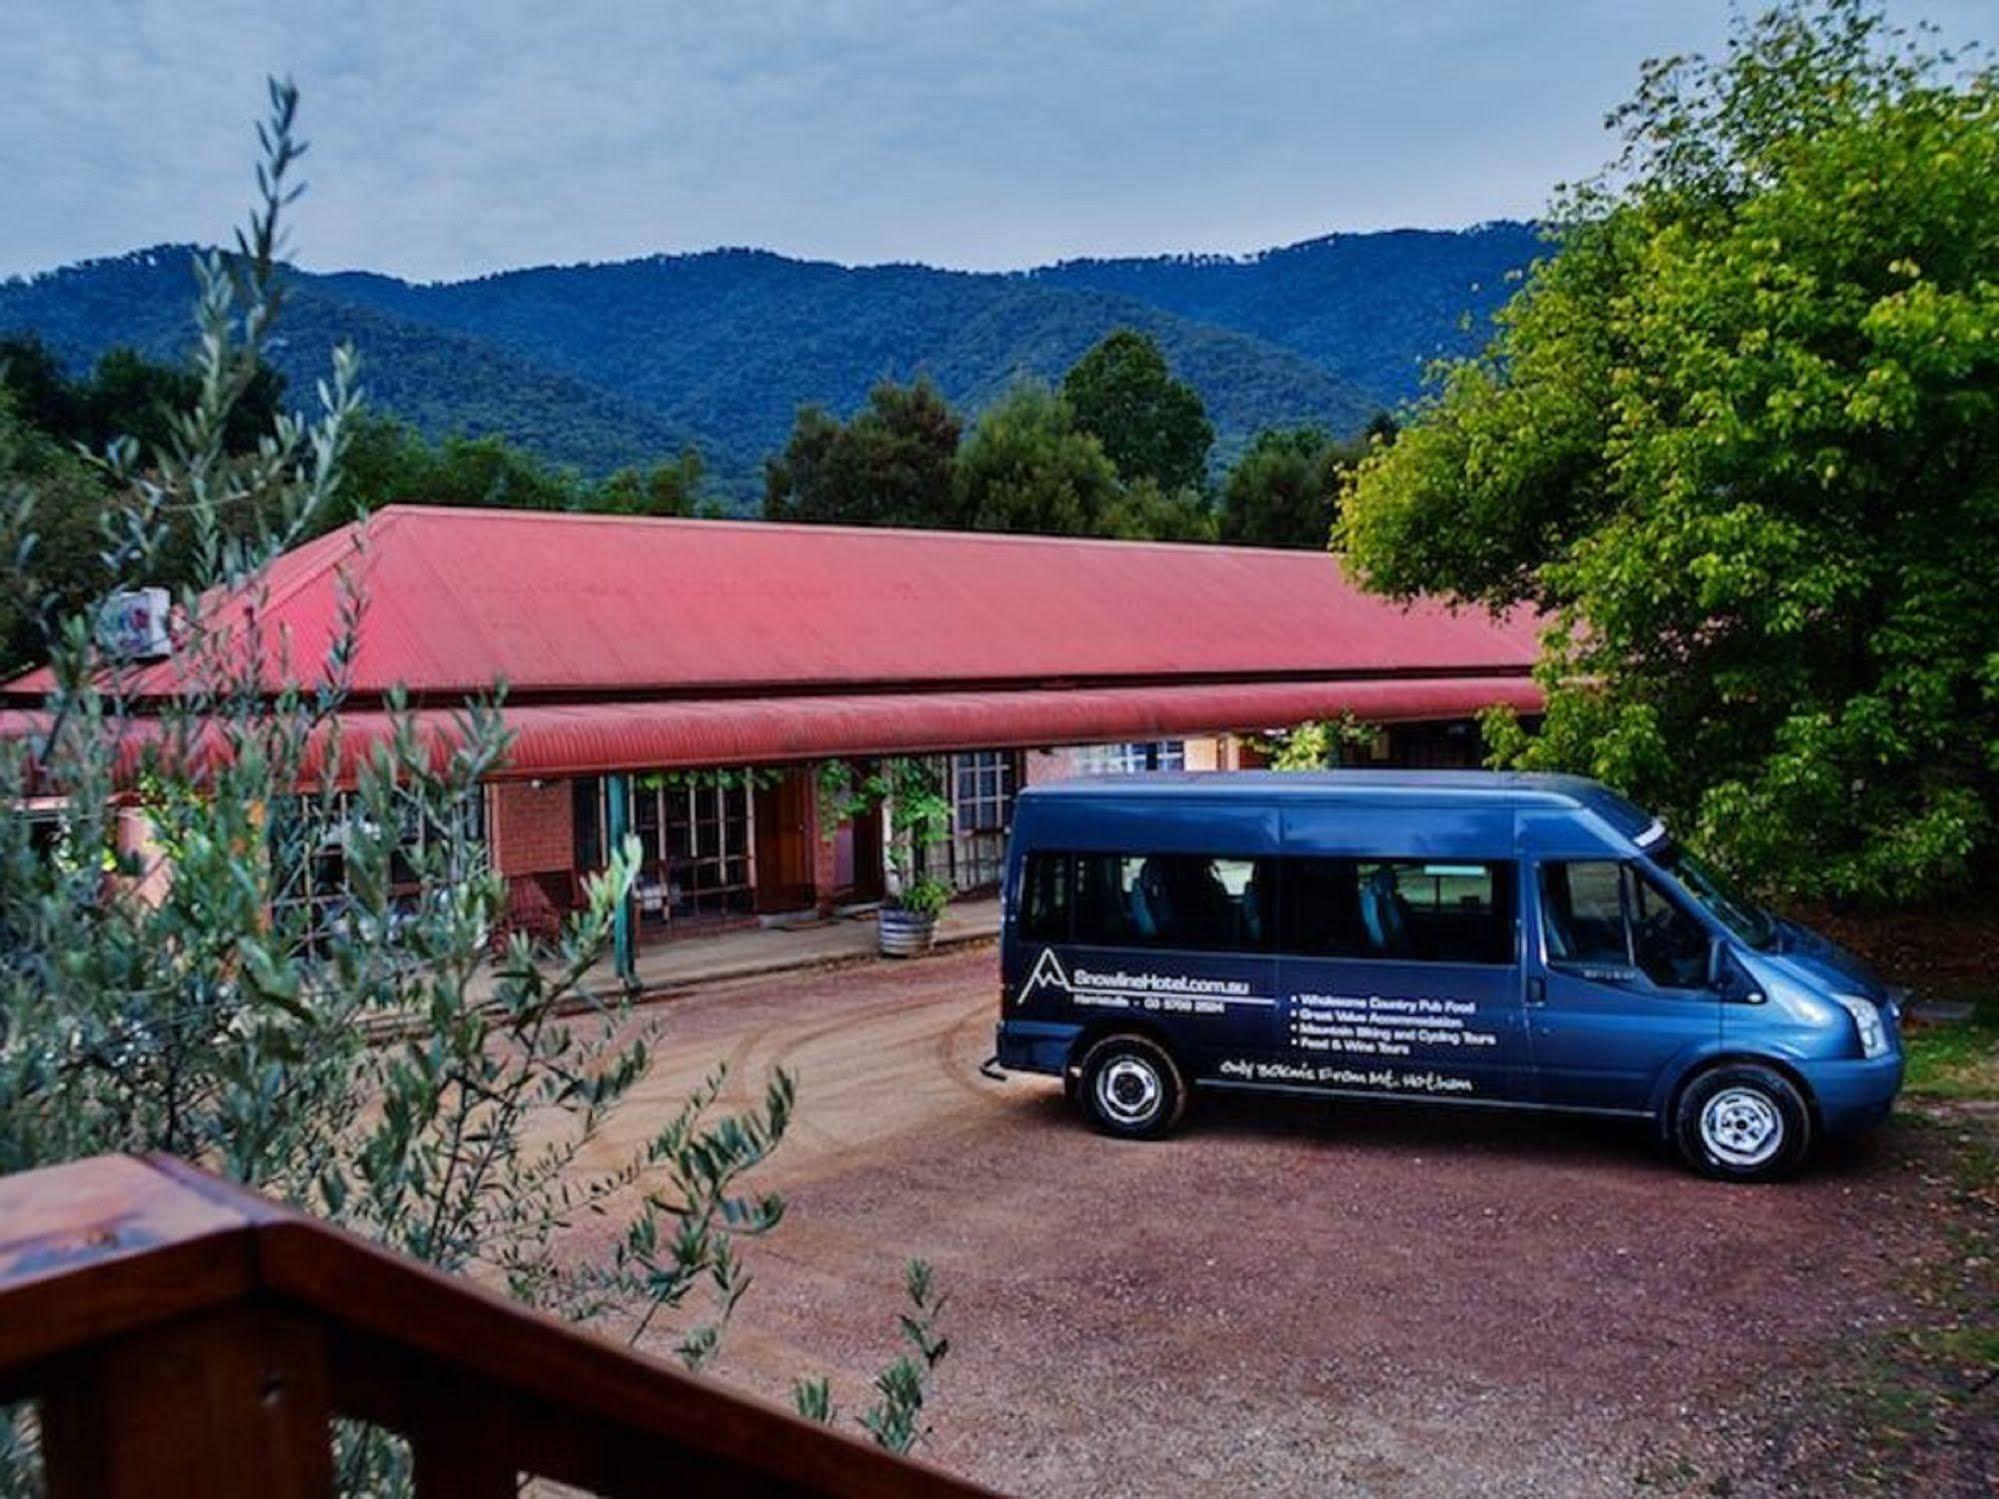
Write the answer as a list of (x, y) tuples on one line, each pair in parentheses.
[(1867, 1020)]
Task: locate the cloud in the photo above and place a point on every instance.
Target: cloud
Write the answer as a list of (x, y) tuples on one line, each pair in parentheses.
[(451, 139)]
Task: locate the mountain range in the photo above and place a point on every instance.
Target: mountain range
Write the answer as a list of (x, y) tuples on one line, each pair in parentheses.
[(601, 365)]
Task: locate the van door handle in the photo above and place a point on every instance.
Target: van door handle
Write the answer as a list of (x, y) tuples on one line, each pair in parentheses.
[(1537, 990)]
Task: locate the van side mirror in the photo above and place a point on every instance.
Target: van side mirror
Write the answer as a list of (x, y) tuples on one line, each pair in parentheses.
[(1727, 977)]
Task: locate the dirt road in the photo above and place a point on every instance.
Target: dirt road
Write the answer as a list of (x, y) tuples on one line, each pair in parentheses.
[(1284, 1298)]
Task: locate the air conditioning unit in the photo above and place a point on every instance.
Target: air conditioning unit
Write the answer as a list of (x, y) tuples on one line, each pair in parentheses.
[(132, 625)]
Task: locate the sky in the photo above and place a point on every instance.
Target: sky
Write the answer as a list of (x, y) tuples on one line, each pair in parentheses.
[(452, 139)]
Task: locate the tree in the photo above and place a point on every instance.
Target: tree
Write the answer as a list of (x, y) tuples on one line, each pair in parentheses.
[(49, 548), (125, 395), (223, 1013), (390, 462), (1284, 490), (1144, 512), (1151, 425), (890, 466), (671, 489), (1736, 438), (1028, 467), (129, 399), (38, 391)]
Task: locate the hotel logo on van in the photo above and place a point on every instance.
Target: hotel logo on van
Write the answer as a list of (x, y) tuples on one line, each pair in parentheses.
[(1125, 989), (1047, 973)]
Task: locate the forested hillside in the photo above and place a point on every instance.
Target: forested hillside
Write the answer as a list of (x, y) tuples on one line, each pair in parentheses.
[(439, 381), (1370, 309), (734, 341), (603, 366)]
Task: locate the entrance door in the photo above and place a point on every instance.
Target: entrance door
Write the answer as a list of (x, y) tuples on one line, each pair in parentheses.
[(862, 870), (1622, 989), (856, 845), (784, 842)]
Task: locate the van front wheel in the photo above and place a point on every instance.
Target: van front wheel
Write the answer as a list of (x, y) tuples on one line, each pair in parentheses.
[(1132, 1088), (1742, 1123)]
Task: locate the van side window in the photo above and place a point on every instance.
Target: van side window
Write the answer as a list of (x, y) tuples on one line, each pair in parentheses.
[(1044, 905), (1582, 913), (1410, 910), (1597, 912), (1670, 945), (1197, 901)]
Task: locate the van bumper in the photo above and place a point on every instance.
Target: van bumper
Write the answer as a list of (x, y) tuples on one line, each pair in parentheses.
[(1035, 1045), (1855, 1095)]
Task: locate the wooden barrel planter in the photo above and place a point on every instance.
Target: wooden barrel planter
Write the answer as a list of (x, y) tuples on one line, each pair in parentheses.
[(905, 934)]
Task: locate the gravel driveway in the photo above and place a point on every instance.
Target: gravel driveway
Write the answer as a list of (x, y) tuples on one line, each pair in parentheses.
[(1285, 1298)]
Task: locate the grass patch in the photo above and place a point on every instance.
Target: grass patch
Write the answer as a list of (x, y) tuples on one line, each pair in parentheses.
[(1913, 1407), (1958, 1061)]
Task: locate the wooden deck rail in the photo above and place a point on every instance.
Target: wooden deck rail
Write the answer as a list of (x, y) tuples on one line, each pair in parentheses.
[(186, 1337)]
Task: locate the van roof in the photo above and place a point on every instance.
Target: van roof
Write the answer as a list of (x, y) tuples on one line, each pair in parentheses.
[(1487, 787)]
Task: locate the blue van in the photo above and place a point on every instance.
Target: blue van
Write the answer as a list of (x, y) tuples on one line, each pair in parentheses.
[(1525, 941)]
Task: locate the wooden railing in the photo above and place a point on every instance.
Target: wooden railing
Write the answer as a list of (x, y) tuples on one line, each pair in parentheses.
[(186, 1337)]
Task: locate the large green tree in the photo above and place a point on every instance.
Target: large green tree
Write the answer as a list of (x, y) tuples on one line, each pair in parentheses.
[(1284, 490), (391, 462), (1151, 425), (1142, 511), (1739, 438), (49, 548), (1028, 467), (124, 395), (87, 447), (890, 466)]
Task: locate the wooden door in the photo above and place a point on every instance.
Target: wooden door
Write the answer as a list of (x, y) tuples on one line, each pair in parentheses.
[(784, 842)]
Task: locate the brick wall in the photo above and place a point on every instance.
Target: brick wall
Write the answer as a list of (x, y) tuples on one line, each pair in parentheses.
[(1203, 753), (1047, 765), (531, 830), (1211, 754)]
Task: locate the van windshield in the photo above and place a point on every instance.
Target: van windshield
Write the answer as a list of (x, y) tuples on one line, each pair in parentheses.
[(1739, 914)]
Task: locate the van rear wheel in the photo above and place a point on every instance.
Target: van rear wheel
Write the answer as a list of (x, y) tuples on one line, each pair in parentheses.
[(1132, 1088), (1742, 1123)]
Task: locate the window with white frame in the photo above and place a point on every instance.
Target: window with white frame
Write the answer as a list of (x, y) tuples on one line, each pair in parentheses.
[(312, 885), (1129, 759), (981, 795), (697, 836)]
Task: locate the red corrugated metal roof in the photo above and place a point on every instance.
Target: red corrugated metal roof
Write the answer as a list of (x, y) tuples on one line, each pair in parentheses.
[(590, 738), (616, 606)]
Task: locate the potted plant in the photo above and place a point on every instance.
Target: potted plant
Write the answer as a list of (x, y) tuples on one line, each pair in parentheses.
[(907, 924), (919, 819)]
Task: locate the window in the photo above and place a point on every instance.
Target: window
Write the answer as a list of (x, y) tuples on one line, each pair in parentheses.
[(1582, 913), (308, 850), (1172, 900), (700, 826), (1739, 914), (1597, 912), (1408, 910), (1670, 945), (981, 794), (695, 838), (46, 834), (1044, 905), (1129, 759), (586, 808)]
